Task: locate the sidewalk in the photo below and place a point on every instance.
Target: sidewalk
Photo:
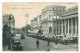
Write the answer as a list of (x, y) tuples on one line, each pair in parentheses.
[(74, 45), (5, 48)]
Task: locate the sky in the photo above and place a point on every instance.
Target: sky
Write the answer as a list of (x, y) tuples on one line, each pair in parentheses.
[(32, 9)]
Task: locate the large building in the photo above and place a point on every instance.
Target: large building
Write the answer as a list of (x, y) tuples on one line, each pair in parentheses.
[(9, 20), (8, 23), (58, 21), (69, 23), (49, 14)]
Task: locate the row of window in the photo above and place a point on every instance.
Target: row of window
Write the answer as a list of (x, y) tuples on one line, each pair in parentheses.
[(55, 8), (60, 9)]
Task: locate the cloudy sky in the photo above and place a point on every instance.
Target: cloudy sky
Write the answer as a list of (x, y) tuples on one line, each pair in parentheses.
[(21, 9)]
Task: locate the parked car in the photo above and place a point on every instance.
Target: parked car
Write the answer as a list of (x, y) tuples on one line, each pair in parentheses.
[(15, 39), (22, 36), (18, 35), (16, 46)]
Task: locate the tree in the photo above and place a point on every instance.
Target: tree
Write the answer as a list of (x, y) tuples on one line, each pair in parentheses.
[(26, 28)]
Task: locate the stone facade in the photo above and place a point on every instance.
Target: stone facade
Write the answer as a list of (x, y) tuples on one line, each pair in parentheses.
[(59, 21), (69, 23), (9, 20), (50, 13)]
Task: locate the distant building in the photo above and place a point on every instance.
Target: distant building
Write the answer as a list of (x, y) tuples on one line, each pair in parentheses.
[(39, 21), (34, 24)]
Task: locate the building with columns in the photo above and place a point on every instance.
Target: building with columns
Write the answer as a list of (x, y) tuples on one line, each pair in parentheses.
[(50, 14), (69, 23), (58, 21)]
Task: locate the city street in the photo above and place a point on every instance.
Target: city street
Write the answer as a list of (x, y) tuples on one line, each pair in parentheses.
[(40, 26), (29, 44)]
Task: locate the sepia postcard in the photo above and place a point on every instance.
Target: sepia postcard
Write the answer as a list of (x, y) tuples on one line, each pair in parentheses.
[(40, 26)]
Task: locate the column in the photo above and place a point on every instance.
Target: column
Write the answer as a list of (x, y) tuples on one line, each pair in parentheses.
[(75, 25), (68, 26), (65, 25), (62, 27), (58, 26), (71, 26)]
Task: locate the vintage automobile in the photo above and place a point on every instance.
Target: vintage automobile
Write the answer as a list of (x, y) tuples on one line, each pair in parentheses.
[(16, 46), (22, 36)]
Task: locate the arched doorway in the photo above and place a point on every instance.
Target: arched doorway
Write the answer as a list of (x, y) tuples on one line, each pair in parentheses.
[(50, 30)]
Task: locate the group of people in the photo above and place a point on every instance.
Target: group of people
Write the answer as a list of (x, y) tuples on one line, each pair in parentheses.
[(48, 41)]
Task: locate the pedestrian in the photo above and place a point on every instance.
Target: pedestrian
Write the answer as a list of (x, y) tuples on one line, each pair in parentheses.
[(37, 43), (48, 49), (48, 43), (56, 41), (9, 44)]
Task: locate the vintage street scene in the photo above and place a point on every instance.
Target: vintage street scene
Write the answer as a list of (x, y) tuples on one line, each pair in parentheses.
[(39, 26)]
